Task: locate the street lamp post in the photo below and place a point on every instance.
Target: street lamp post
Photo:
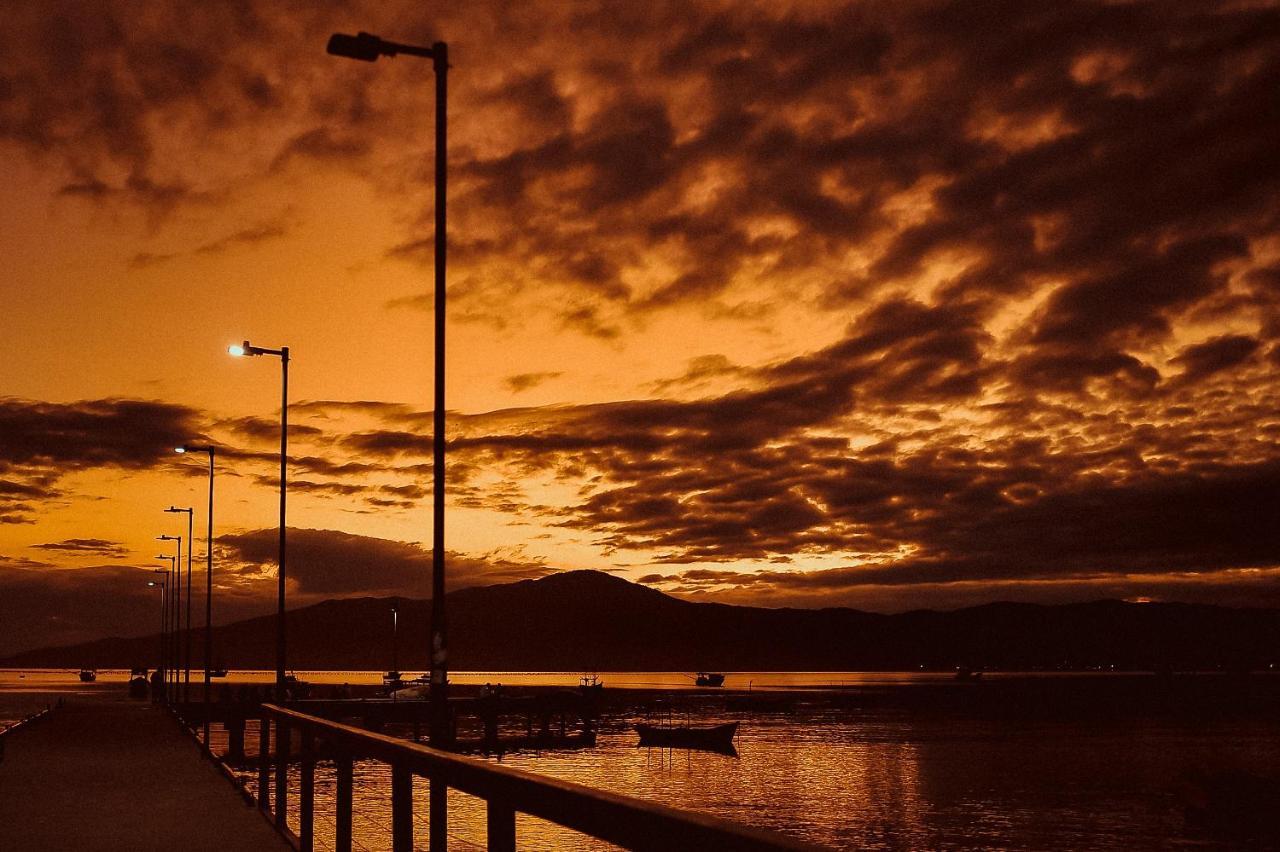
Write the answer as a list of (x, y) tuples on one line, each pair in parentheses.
[(164, 609), (168, 676), (186, 653), (208, 579), (175, 601), (368, 48), (246, 349)]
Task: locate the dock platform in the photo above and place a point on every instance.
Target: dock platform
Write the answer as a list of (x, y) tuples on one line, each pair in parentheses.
[(113, 774)]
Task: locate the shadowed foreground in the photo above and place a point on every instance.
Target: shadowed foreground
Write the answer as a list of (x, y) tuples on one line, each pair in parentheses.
[(114, 774)]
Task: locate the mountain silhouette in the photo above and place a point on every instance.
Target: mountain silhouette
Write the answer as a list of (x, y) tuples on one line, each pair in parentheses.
[(593, 621)]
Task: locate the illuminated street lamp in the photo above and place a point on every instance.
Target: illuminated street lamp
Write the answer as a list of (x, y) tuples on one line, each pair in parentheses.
[(168, 672), (208, 579), (186, 653), (367, 48), (247, 349), (164, 608), (175, 603)]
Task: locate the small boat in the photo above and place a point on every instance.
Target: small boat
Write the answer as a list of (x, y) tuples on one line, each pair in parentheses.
[(414, 692), (965, 673), (709, 679), (88, 675), (220, 672), (392, 679), (707, 738), (591, 685)]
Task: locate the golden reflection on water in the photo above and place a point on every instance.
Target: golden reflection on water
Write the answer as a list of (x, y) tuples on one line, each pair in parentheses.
[(1083, 768)]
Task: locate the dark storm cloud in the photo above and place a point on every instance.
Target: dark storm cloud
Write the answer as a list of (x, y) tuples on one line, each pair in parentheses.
[(1214, 356), (330, 562), (94, 433), (41, 442), (92, 546), (1048, 230), (262, 429)]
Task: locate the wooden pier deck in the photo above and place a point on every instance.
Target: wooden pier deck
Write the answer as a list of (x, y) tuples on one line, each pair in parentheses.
[(113, 774)]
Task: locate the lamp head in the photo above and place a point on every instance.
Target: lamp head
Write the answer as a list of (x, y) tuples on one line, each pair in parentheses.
[(239, 350), (363, 46), (192, 448), (152, 583)]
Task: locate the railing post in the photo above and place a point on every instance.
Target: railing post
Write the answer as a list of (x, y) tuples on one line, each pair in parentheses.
[(438, 816), (342, 804), (307, 792), (502, 827), (264, 765), (401, 808), (235, 725), (282, 774)]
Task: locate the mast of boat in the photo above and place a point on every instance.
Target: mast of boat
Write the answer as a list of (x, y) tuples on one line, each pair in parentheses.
[(395, 635)]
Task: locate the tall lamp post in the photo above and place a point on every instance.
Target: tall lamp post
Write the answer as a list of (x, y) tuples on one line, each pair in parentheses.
[(186, 653), (368, 48), (162, 585), (208, 579), (246, 349), (175, 602), (168, 671)]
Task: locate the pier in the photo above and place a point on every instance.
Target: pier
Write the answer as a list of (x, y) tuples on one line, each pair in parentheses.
[(111, 773)]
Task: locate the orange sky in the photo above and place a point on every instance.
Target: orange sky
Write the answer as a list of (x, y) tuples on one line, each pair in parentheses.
[(886, 306)]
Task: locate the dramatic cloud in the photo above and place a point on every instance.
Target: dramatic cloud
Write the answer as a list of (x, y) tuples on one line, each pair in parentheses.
[(966, 293), (330, 563), (41, 442), (91, 546)]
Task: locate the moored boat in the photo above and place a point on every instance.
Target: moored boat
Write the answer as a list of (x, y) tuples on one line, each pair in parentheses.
[(88, 675), (709, 679), (705, 737)]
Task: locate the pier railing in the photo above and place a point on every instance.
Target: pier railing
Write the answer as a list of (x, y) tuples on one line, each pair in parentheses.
[(622, 820)]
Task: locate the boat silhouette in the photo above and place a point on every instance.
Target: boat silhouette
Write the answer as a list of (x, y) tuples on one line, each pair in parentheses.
[(718, 738)]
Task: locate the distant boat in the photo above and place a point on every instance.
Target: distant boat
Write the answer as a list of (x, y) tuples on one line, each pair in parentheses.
[(965, 673), (591, 685), (709, 679), (219, 672), (417, 690), (707, 738), (392, 679), (88, 675)]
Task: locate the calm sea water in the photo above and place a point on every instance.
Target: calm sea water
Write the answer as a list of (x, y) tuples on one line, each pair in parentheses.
[(889, 761)]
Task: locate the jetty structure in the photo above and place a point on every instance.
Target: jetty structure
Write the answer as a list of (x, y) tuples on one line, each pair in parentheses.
[(108, 772)]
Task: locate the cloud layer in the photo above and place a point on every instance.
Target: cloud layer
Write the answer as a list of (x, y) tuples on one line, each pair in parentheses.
[(1010, 270)]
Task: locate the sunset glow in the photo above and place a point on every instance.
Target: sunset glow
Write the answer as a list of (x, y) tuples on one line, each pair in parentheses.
[(888, 306)]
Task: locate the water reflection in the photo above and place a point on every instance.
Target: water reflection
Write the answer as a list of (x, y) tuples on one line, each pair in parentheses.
[(1102, 763)]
